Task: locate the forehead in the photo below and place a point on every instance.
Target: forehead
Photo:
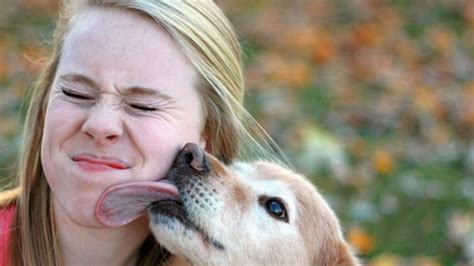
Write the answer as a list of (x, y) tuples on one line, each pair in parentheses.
[(102, 26), (267, 179), (124, 45)]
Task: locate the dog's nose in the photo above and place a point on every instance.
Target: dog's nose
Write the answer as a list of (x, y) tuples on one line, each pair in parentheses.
[(192, 155)]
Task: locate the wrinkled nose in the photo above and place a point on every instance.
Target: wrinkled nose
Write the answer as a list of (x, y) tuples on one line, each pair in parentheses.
[(192, 155), (103, 125)]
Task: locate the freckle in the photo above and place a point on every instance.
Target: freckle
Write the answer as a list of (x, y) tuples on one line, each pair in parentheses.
[(201, 194), (196, 201)]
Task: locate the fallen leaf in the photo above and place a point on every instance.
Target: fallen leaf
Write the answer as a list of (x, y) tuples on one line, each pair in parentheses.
[(383, 162), (386, 260), (361, 240)]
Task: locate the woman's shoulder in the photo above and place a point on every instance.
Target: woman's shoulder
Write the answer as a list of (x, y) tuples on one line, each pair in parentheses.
[(7, 215), (9, 198), (7, 209)]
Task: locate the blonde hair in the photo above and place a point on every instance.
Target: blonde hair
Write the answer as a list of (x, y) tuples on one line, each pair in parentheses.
[(205, 36)]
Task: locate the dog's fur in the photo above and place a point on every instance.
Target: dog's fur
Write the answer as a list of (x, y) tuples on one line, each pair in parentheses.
[(222, 217)]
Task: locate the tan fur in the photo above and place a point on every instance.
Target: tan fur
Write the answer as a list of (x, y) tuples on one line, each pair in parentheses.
[(318, 223), (248, 234)]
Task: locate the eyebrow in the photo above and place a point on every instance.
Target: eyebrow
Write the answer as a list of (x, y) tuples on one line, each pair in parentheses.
[(130, 91)]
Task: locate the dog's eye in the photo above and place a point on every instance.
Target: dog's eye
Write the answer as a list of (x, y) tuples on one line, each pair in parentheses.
[(275, 207)]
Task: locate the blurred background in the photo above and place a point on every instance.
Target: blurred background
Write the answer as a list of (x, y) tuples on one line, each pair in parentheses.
[(373, 100)]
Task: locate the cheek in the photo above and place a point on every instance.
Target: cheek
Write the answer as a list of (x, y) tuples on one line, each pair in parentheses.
[(158, 148), (159, 143), (51, 172), (61, 121)]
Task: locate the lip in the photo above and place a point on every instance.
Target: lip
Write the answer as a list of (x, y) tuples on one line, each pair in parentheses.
[(95, 163)]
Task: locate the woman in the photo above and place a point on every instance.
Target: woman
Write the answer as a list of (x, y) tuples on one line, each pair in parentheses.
[(128, 83)]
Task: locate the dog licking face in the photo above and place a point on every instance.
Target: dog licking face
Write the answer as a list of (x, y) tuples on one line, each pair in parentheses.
[(207, 213)]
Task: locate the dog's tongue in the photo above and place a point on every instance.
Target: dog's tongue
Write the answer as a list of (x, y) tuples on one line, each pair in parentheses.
[(123, 203)]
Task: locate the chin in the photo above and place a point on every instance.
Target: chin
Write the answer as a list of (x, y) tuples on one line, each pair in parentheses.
[(79, 211)]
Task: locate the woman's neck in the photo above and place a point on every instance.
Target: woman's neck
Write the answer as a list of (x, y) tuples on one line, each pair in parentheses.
[(81, 245)]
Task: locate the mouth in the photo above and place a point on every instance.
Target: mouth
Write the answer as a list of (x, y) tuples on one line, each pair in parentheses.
[(171, 209), (188, 173), (95, 163), (161, 211)]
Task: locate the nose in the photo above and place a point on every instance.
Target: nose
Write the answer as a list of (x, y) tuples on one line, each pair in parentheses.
[(103, 125), (192, 155)]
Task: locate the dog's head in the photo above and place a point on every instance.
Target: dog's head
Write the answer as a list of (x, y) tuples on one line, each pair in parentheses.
[(248, 213), (259, 213)]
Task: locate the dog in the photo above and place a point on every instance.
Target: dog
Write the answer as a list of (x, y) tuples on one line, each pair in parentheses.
[(208, 213)]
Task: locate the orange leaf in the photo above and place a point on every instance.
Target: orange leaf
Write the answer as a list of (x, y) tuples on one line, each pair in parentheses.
[(386, 260), (325, 48), (361, 240), (425, 99), (300, 39), (295, 74), (383, 162), (442, 40), (366, 34)]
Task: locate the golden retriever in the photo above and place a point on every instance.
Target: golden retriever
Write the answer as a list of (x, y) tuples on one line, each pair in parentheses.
[(207, 213)]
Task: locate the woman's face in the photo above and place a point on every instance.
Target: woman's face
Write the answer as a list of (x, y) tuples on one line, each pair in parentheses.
[(122, 104)]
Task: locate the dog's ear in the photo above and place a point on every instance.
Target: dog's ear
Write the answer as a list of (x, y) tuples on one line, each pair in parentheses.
[(338, 254)]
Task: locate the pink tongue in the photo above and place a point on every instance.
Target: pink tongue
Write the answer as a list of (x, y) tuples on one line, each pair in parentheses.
[(124, 203)]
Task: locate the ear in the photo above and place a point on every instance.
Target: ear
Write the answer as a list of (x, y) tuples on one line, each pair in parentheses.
[(203, 141), (338, 255)]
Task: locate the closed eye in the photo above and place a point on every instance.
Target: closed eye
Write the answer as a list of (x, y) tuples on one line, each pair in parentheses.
[(75, 95), (143, 108)]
